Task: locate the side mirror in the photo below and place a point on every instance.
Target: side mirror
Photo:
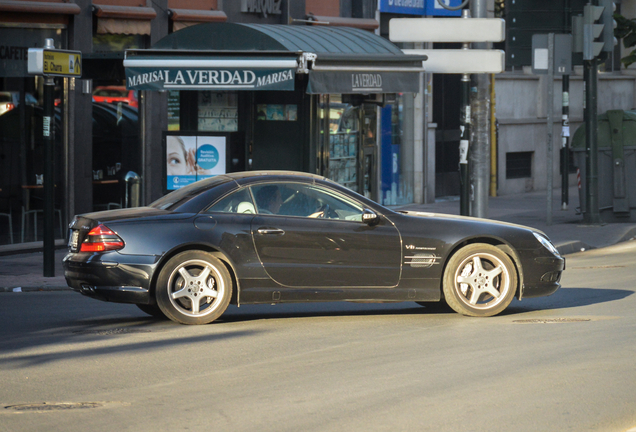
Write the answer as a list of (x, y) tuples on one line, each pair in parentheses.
[(370, 217)]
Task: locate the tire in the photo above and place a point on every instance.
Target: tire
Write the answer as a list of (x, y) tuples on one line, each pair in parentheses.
[(193, 287), (480, 280), (152, 309)]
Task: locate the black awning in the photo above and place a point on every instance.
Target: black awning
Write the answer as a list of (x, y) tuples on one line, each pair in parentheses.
[(267, 57)]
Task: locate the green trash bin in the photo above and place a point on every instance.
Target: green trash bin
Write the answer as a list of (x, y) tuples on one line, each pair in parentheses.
[(616, 165)]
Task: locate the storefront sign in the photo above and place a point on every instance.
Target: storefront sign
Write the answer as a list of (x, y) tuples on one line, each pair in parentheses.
[(324, 82), (139, 78), (265, 7), (15, 44)]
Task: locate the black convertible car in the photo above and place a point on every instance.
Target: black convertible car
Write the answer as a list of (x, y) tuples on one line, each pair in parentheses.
[(277, 237)]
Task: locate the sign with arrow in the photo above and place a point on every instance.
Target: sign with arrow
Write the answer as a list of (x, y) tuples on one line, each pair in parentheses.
[(55, 63)]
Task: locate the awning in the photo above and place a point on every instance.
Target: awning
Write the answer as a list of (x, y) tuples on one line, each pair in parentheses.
[(113, 19), (361, 23), (267, 57), (182, 18), (39, 7)]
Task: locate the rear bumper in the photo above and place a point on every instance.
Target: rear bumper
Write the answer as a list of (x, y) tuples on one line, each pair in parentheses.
[(116, 294), (111, 277)]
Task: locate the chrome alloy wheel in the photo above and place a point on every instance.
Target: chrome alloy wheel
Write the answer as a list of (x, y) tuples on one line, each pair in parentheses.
[(194, 287), (482, 280)]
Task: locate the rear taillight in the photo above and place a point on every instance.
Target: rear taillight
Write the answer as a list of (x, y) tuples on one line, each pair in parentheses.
[(9, 106), (101, 239)]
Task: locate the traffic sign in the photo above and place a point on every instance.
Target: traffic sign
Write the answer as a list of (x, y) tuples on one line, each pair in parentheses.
[(447, 30), (561, 57), (462, 61), (52, 62)]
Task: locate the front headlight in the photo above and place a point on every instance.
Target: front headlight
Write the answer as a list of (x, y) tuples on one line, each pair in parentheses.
[(546, 243)]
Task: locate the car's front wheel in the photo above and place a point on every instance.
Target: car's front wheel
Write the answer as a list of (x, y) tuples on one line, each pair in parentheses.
[(193, 287), (479, 280)]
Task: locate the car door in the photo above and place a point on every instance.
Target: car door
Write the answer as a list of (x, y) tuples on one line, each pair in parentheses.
[(318, 239)]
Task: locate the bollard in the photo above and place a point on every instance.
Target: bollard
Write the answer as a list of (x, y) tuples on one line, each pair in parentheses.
[(133, 182)]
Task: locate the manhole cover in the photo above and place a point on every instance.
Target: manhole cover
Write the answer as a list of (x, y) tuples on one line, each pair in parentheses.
[(551, 320), (53, 406), (109, 332)]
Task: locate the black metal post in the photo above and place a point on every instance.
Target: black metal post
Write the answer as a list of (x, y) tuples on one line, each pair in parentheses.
[(591, 142), (48, 135), (565, 141), (464, 145)]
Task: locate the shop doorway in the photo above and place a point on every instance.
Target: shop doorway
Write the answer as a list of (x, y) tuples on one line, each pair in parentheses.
[(346, 149), (279, 134)]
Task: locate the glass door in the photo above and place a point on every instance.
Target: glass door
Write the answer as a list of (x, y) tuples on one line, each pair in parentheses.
[(343, 131)]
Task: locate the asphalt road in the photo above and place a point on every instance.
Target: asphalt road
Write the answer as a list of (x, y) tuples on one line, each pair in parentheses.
[(561, 363)]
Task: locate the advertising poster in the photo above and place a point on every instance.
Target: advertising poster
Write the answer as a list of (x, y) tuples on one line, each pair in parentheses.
[(192, 158)]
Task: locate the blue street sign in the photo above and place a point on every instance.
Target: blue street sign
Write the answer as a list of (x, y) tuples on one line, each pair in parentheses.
[(419, 7), (407, 7), (433, 8)]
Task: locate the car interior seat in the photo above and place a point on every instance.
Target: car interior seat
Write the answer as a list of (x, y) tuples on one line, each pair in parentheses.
[(246, 207)]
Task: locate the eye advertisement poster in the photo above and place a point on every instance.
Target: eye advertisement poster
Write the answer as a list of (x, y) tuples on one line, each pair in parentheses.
[(193, 158)]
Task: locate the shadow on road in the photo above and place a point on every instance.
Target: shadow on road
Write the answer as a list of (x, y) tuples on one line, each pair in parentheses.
[(66, 338), (79, 338), (567, 298)]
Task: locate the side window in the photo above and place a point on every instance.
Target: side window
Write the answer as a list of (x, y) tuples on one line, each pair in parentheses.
[(238, 202), (296, 199)]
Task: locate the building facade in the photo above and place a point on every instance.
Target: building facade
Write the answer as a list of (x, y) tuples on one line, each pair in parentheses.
[(109, 130), (397, 145)]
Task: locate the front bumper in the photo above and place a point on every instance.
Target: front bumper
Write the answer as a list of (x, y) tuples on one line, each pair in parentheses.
[(542, 275), (111, 276)]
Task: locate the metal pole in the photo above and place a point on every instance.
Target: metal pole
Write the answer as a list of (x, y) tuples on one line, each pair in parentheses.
[(479, 160), (493, 139), (464, 145), (550, 120), (591, 143), (565, 134), (464, 140), (48, 138)]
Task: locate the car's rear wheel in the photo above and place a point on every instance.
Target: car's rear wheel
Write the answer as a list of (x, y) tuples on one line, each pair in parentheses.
[(193, 287), (152, 310), (479, 280)]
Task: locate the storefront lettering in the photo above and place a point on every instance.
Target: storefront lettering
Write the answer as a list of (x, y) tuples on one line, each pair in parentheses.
[(265, 7), (194, 77), (365, 81), (13, 52), (407, 3), (275, 78)]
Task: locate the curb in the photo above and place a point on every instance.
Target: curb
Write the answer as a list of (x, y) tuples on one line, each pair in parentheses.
[(573, 247)]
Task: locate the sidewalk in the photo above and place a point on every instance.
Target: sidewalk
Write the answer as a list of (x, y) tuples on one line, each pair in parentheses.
[(23, 271)]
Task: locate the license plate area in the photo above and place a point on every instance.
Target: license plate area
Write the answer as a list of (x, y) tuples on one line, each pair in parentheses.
[(73, 240)]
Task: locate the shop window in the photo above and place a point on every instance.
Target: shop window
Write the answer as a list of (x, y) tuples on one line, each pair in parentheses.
[(519, 165), (218, 111), (344, 133), (173, 110)]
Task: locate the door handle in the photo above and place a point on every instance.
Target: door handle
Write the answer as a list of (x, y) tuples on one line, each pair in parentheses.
[(274, 231)]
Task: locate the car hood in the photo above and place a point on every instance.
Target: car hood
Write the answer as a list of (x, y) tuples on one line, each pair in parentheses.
[(481, 221)]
